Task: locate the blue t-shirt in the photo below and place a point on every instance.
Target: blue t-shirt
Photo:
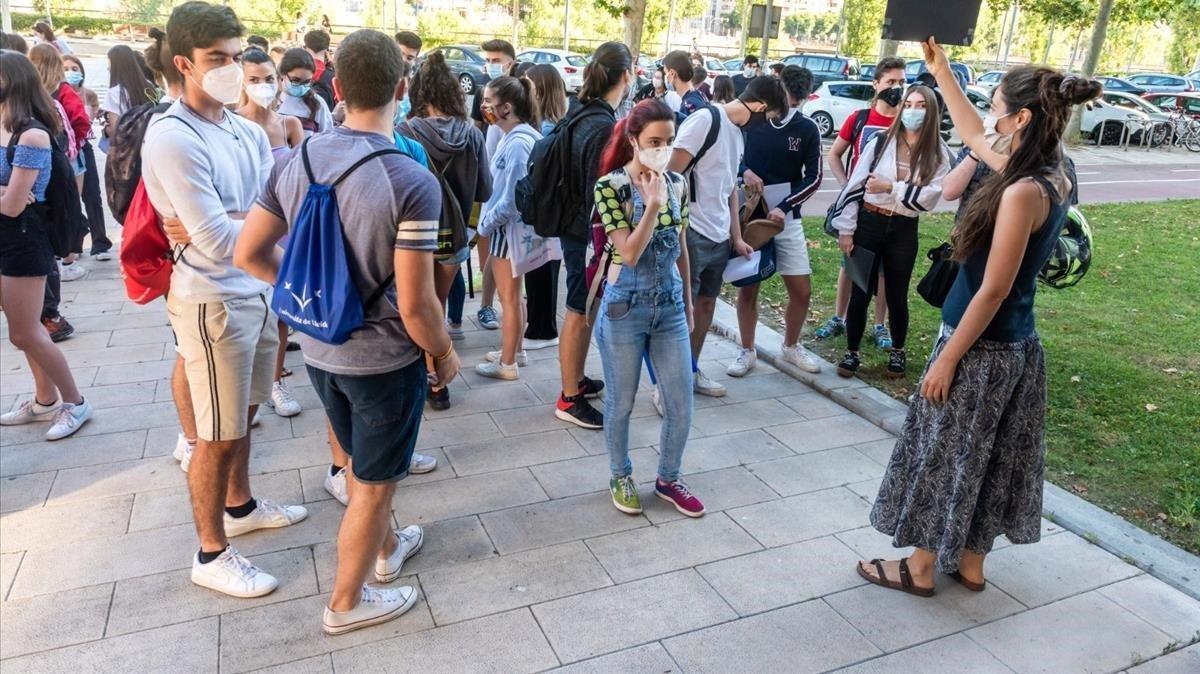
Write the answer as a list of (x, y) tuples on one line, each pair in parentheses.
[(411, 148), (24, 156)]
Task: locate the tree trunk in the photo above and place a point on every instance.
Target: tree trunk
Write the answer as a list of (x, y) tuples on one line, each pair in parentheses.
[(1049, 44), (888, 48), (633, 20), (1089, 64)]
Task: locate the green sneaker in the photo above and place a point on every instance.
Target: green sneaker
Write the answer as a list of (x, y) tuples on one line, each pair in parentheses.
[(624, 495)]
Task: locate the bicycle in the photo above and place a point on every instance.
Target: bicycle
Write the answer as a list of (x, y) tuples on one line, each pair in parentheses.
[(1185, 130)]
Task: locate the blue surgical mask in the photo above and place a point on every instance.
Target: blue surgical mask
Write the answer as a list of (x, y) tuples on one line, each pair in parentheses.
[(912, 118), (403, 108), (297, 90), (495, 70), (74, 78)]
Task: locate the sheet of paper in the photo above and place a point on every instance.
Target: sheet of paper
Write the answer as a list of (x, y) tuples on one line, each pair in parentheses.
[(739, 267)]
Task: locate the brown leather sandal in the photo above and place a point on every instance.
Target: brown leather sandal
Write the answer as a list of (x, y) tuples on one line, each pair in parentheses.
[(905, 584), (969, 584)]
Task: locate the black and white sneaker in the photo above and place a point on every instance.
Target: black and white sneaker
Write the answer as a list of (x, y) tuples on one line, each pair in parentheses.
[(848, 365), (590, 388), (897, 365), (579, 411)]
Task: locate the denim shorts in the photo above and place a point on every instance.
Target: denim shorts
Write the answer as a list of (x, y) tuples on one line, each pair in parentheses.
[(575, 260), (25, 244), (376, 417)]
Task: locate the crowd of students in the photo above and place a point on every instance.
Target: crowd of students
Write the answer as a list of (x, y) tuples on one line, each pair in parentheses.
[(247, 159)]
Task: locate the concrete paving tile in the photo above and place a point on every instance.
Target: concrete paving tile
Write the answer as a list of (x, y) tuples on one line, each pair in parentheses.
[(525, 420), (1184, 661), (798, 518), (18, 492), (774, 385), (1159, 604), (7, 402), (121, 395), (649, 551), (816, 470), (115, 479), (322, 524), (717, 368), (9, 563), (879, 451), (129, 418), (777, 577), (615, 618), (148, 371), (186, 647), (870, 544), (743, 417), (552, 522), (160, 441), (57, 525), (448, 499), (948, 655), (270, 456), (895, 620), (503, 583), (456, 431), (39, 456), (807, 637), (590, 473), (165, 598), (312, 483), (488, 399), (116, 323), (827, 433), (318, 664), (168, 507), (732, 449), (1056, 567), (20, 382), (1084, 633), (246, 645), (514, 452), (54, 620), (114, 355), (718, 489), (643, 432), (500, 644), (867, 489), (648, 658), (875, 403), (143, 335)]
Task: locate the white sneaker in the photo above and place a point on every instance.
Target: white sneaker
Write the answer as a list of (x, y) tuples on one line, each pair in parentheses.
[(256, 419), (266, 515), (410, 540), (105, 256), (29, 412), (71, 272), (498, 371), (745, 361), (183, 452), (378, 605), (233, 574), (422, 463), (535, 344), (707, 387), (658, 403), (68, 419), (455, 331), (522, 357), (336, 485), (800, 357), (282, 401)]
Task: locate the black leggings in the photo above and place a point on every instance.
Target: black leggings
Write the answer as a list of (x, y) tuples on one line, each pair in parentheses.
[(541, 300), (93, 202), (893, 239)]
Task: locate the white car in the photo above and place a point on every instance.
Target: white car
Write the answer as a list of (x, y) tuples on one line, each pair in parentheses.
[(1103, 121), (981, 102), (833, 102), (569, 64)]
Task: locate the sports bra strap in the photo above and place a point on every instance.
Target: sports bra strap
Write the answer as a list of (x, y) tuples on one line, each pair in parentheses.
[(1049, 187), (360, 162)]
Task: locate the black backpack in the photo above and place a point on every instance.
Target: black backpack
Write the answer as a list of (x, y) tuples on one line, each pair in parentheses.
[(452, 226), (860, 123), (64, 214), (710, 139), (123, 168), (545, 197)]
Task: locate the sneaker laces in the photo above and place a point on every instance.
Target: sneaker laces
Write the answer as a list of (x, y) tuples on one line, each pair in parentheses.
[(282, 395), (680, 488), (63, 415), (371, 595), (626, 487), (234, 561)]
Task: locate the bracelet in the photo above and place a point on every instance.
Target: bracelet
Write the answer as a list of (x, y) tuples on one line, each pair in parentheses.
[(972, 156), (446, 355)]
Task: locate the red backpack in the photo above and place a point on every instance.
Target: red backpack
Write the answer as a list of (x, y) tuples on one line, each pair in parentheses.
[(146, 260)]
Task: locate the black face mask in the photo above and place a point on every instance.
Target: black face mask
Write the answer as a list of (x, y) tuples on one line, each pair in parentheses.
[(891, 95)]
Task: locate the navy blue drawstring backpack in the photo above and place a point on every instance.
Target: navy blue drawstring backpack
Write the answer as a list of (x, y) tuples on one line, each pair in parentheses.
[(315, 292)]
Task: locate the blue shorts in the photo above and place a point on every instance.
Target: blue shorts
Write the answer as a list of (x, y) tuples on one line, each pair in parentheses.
[(375, 417), (575, 260)]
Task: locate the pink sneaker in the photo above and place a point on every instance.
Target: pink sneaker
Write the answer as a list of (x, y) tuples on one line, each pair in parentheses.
[(677, 494)]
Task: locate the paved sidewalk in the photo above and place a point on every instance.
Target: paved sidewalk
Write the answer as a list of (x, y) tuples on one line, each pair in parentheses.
[(526, 565)]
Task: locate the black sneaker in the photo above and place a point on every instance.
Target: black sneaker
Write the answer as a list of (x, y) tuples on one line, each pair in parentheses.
[(897, 364), (292, 346), (590, 388), (439, 400), (578, 411), (848, 366)]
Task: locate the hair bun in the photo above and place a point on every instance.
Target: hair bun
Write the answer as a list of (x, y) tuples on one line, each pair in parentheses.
[(1076, 90)]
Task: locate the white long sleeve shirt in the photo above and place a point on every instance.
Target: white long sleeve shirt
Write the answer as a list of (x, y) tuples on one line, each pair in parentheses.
[(905, 198), (208, 177)]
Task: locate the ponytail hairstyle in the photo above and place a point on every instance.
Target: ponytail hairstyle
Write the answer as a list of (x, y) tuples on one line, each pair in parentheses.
[(516, 92), (609, 65), (926, 154), (158, 59), (619, 150), (723, 90), (126, 72), (45, 32), (24, 96), (49, 66), (1049, 97), (434, 86), (550, 92), (299, 59)]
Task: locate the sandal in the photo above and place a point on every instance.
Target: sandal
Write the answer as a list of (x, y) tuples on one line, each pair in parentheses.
[(905, 584), (969, 584), (284, 372)]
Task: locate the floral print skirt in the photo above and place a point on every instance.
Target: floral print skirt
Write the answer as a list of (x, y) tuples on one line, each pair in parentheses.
[(970, 469)]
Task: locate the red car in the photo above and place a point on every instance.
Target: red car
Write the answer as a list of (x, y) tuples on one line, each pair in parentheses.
[(1190, 102)]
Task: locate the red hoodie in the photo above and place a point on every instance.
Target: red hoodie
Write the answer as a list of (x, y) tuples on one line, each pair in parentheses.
[(76, 113)]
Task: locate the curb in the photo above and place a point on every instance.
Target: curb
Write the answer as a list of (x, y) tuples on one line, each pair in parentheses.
[(1157, 557)]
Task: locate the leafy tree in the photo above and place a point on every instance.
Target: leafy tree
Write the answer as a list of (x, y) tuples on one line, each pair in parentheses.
[(864, 21)]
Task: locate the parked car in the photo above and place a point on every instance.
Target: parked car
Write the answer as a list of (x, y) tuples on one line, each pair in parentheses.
[(1189, 103), (833, 102), (468, 66), (1156, 82), (989, 80), (569, 64), (715, 67), (964, 72), (1105, 123), (825, 67), (733, 66), (981, 101), (1128, 101), (1118, 84), (866, 72)]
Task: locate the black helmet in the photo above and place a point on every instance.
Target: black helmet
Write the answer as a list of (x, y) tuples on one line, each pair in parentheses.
[(1072, 253)]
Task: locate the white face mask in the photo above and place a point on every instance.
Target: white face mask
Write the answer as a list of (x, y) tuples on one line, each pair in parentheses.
[(262, 94), (655, 158), (999, 142), (748, 73), (495, 70), (223, 84)]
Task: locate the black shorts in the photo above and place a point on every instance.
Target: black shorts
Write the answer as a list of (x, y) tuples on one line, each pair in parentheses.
[(376, 418), (25, 245), (575, 260)]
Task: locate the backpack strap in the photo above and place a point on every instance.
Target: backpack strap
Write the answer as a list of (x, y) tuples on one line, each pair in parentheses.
[(879, 143), (710, 139), (354, 167), (860, 123)]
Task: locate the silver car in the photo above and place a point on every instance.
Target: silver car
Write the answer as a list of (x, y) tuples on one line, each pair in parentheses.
[(1157, 82)]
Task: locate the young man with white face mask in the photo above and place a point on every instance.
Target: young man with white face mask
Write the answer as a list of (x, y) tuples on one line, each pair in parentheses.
[(203, 168), (750, 70)]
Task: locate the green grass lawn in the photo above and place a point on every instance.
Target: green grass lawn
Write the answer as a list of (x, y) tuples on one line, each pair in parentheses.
[(1122, 352)]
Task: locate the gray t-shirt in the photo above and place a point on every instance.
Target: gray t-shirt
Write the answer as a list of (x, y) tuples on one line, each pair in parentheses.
[(388, 203)]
